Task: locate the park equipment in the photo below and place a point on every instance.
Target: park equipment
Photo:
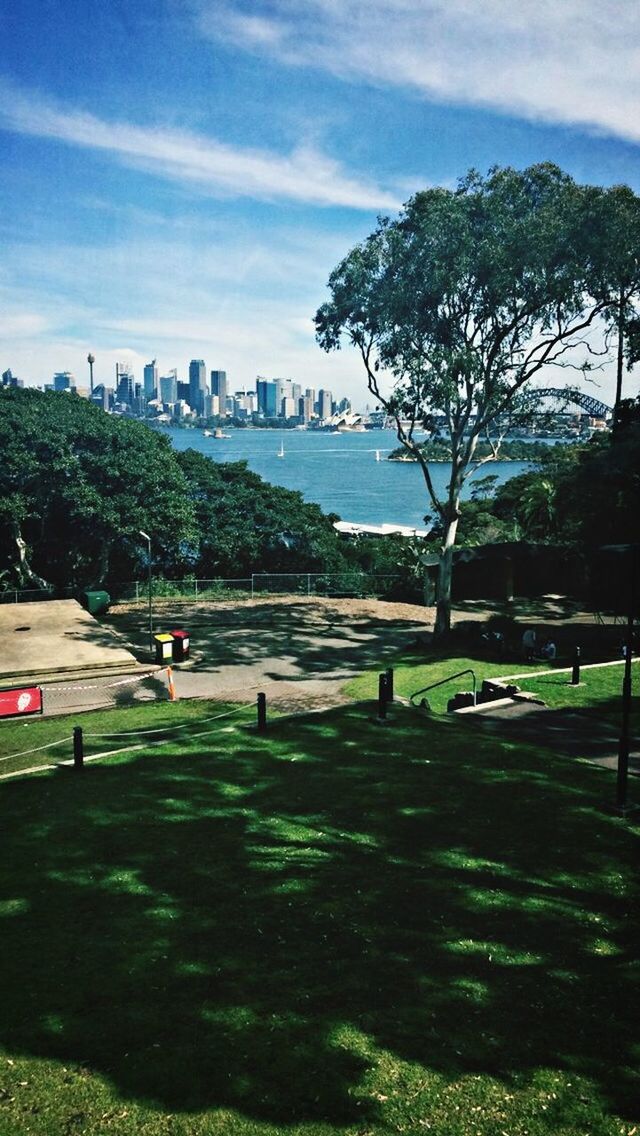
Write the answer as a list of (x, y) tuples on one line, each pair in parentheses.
[(450, 678)]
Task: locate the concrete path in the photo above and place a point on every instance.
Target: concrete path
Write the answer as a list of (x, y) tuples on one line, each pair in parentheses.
[(563, 732)]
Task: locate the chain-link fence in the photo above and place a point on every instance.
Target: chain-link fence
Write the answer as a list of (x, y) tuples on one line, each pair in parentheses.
[(337, 584)]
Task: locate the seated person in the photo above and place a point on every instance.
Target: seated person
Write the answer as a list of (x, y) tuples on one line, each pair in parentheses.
[(549, 650)]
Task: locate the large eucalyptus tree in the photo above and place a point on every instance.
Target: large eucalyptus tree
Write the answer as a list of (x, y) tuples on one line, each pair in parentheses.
[(462, 300)]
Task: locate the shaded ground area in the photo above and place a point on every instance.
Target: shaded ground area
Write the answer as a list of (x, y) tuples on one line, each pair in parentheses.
[(296, 649), (564, 732), (333, 925)]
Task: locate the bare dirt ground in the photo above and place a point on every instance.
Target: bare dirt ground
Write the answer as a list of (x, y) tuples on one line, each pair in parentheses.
[(299, 650)]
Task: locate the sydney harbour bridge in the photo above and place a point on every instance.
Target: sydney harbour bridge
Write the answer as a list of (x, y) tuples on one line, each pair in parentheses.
[(574, 397), (567, 396)]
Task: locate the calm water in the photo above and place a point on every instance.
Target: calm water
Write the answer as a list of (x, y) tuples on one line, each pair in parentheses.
[(337, 471)]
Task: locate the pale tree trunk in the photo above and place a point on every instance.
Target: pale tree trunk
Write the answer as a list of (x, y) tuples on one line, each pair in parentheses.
[(24, 572), (445, 570), (102, 565)]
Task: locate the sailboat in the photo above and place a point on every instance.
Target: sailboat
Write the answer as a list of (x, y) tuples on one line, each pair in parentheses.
[(280, 453), (378, 455)]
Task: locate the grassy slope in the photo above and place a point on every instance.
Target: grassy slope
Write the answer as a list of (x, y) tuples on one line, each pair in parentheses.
[(599, 691), (338, 928), (103, 730)]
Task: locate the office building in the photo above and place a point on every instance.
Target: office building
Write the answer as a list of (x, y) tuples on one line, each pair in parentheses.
[(10, 380), (151, 380), (63, 381), (325, 404), (124, 384), (169, 388), (101, 396), (197, 385), (267, 395), (219, 387)]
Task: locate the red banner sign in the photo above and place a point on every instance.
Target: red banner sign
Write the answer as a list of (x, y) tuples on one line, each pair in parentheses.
[(20, 702)]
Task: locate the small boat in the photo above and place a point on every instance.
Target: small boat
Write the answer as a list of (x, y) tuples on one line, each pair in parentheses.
[(280, 453), (219, 433), (207, 433)]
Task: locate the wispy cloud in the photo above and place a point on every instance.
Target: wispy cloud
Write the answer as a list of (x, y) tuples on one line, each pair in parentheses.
[(561, 61), (248, 309), (305, 175)]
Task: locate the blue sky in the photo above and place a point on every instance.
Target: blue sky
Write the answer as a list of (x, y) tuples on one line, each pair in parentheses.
[(180, 176)]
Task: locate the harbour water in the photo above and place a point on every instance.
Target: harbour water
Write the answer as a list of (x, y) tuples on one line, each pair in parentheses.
[(339, 472)]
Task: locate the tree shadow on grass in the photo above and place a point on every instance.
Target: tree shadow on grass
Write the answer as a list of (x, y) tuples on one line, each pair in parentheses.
[(241, 927)]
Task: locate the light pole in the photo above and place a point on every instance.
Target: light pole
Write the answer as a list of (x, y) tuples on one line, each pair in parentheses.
[(91, 360), (148, 540)]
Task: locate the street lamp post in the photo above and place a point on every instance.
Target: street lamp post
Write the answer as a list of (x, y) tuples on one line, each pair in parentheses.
[(148, 540)]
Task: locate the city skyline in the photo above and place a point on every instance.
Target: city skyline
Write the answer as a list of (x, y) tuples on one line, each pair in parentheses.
[(201, 218)]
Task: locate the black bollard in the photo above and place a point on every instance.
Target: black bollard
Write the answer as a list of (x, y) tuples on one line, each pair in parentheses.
[(78, 749), (389, 674), (262, 713), (382, 697), (575, 673)]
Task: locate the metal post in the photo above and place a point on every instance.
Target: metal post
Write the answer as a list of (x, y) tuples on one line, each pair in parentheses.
[(389, 674), (622, 777), (623, 744), (78, 749), (308, 583), (575, 673), (150, 587), (252, 585), (262, 712), (382, 697), (196, 584)]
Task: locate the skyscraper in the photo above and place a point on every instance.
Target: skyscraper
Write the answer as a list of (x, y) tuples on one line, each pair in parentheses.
[(219, 387), (197, 385), (267, 393), (151, 380), (63, 381), (169, 388), (124, 384), (325, 404)]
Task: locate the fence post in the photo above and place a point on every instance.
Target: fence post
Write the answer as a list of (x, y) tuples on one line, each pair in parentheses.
[(262, 713), (308, 583), (575, 673), (78, 749), (137, 591), (389, 674), (196, 587), (382, 697), (252, 585)]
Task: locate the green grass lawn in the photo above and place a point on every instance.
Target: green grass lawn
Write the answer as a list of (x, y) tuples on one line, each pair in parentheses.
[(599, 692), (337, 928), (21, 741)]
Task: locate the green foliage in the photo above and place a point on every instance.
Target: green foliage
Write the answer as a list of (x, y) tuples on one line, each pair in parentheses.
[(586, 495), (78, 484), (436, 449), (465, 298)]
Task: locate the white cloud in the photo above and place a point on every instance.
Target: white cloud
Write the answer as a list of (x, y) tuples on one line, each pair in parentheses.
[(248, 309), (562, 61), (305, 175)]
